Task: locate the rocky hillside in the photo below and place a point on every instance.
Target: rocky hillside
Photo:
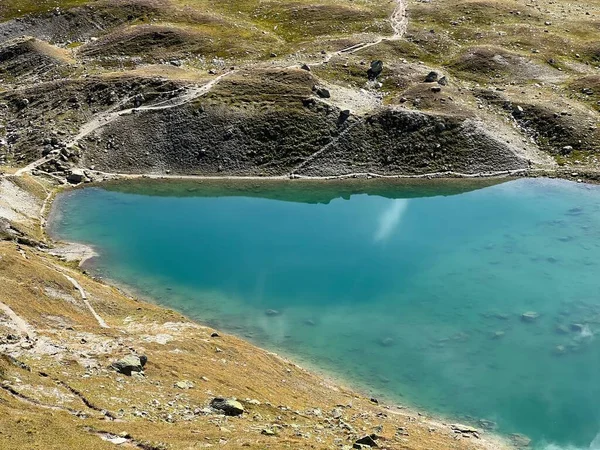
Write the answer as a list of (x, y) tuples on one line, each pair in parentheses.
[(308, 88)]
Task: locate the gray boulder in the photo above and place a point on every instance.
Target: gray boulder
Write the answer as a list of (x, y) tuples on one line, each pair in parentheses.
[(130, 364), (229, 406)]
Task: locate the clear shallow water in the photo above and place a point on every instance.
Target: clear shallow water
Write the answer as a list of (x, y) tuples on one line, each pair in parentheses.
[(418, 299)]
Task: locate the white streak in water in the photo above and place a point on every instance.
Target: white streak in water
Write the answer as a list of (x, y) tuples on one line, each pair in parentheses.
[(390, 219)]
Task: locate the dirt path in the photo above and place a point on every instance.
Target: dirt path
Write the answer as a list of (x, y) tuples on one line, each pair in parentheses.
[(84, 298), (105, 118)]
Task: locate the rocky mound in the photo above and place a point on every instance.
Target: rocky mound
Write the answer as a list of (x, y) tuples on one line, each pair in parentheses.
[(30, 58), (499, 64)]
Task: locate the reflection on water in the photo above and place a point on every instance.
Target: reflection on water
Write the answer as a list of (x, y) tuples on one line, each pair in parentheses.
[(483, 304)]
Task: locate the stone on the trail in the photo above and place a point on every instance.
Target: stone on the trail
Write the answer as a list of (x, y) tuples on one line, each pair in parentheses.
[(305, 67), (230, 407), (443, 81), (185, 384), (530, 316), (272, 312), (130, 364), (323, 93), (375, 70), (432, 77), (368, 440), (77, 176)]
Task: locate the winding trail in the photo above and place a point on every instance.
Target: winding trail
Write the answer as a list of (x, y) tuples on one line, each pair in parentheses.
[(84, 298), (326, 146), (399, 22), (101, 120)]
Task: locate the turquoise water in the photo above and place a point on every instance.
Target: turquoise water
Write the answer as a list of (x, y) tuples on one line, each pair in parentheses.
[(411, 295)]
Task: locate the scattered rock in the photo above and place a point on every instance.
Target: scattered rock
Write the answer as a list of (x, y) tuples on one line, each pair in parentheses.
[(436, 89), (214, 334), (77, 176), (443, 81), (375, 70), (230, 407), (323, 93), (432, 77), (130, 364), (185, 384), (368, 440), (268, 432), (305, 67)]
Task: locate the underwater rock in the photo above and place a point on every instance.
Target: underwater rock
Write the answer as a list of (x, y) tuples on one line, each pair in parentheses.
[(387, 342), (561, 329), (559, 350), (272, 312), (577, 327), (530, 316), (497, 334)]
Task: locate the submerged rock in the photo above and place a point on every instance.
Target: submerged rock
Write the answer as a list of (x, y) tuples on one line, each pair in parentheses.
[(387, 342), (530, 316), (577, 327), (130, 364), (230, 407), (272, 312)]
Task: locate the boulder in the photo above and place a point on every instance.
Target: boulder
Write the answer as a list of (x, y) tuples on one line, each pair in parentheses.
[(77, 176), (368, 440), (323, 93), (375, 70), (432, 77), (184, 385), (130, 364), (230, 407)]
